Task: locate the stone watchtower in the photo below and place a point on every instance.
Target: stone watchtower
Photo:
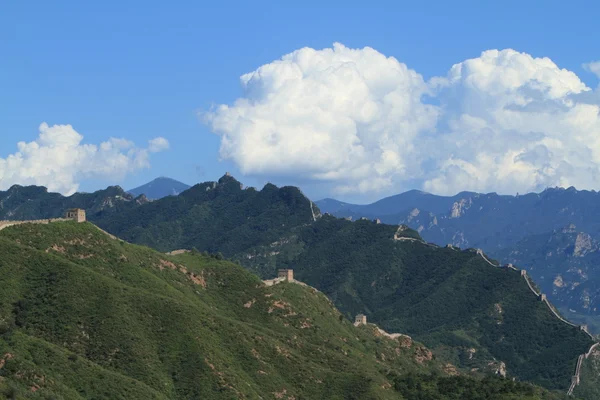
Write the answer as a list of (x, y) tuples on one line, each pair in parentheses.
[(360, 319), (76, 214), (287, 274)]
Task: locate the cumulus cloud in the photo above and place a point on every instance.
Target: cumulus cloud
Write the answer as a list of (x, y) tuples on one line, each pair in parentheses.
[(59, 160), (504, 121)]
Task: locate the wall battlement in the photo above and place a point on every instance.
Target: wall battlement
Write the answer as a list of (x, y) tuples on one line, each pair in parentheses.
[(73, 214), (6, 224)]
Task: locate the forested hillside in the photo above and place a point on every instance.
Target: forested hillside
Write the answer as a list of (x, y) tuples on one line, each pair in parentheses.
[(474, 315), (554, 234), (85, 316)]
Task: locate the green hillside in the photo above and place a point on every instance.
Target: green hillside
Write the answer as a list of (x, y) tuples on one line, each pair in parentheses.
[(35, 202), (474, 315), (471, 313), (590, 377), (213, 216), (84, 316)]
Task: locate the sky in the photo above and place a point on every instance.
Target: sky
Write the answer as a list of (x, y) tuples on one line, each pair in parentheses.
[(352, 100)]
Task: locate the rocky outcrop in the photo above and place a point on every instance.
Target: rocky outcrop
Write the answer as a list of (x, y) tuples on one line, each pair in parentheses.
[(583, 245), (414, 213), (460, 207)]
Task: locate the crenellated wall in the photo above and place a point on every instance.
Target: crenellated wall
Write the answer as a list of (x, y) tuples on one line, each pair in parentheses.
[(6, 224), (575, 380)]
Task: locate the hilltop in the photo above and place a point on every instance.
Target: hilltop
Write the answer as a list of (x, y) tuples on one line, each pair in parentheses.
[(83, 315), (159, 188), (220, 216)]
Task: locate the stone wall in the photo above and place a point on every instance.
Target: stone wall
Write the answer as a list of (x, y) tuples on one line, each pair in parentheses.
[(6, 224), (542, 297)]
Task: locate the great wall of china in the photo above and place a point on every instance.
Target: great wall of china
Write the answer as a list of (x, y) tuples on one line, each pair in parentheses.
[(287, 275), (74, 214), (6, 224), (576, 378)]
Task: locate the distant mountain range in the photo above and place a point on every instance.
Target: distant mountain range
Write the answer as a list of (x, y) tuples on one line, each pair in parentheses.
[(553, 234), (159, 188), (472, 314)]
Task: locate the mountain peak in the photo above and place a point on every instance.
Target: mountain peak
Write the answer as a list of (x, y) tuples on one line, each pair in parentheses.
[(159, 188)]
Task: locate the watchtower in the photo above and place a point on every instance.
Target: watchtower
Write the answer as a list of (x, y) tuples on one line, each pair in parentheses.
[(523, 272), (287, 274), (76, 214), (542, 297), (360, 319)]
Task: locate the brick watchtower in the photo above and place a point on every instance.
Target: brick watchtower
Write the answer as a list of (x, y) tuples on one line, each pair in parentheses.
[(288, 274), (360, 319), (76, 214)]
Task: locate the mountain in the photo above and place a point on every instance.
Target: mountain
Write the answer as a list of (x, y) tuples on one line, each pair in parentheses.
[(159, 188), (214, 216), (472, 314), (451, 300), (527, 230), (35, 202), (86, 316), (564, 262), (478, 220)]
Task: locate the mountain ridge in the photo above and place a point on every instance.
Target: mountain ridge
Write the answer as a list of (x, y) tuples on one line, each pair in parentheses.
[(503, 225)]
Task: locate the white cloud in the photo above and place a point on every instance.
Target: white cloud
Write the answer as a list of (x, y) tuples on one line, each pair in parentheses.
[(59, 160), (504, 121), (593, 67), (158, 144)]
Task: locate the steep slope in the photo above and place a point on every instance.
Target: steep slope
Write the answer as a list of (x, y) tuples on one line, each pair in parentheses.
[(159, 188), (564, 263), (474, 314), (86, 316), (589, 388), (526, 230)]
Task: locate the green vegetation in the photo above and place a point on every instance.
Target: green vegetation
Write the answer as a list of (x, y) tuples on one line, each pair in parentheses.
[(472, 314), (213, 216), (589, 387), (436, 387), (34, 202), (84, 316)]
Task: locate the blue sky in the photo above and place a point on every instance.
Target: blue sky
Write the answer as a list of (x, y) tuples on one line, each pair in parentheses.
[(143, 70)]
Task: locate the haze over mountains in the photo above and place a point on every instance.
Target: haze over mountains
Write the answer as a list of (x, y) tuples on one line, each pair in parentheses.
[(473, 315)]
